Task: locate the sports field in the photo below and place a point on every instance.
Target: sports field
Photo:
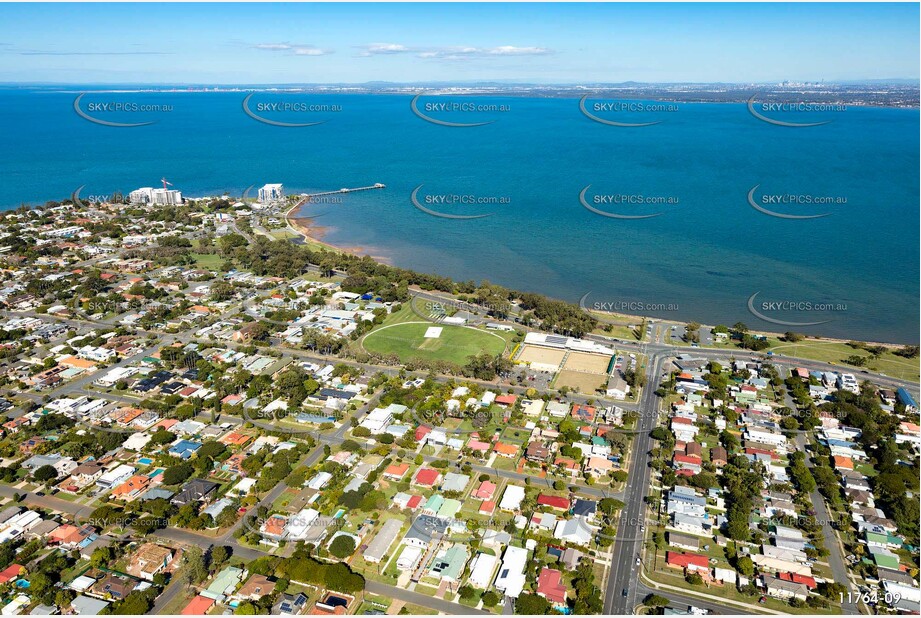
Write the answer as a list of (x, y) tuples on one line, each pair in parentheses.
[(592, 363), (584, 382), (453, 344), (540, 356)]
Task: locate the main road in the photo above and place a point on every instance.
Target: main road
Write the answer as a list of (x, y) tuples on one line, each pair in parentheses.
[(628, 543)]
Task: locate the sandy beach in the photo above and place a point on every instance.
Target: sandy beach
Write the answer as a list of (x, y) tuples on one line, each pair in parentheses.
[(313, 234)]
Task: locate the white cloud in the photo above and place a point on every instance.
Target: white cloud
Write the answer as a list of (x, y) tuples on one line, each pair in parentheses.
[(510, 50), (384, 49), (293, 49), (451, 53)]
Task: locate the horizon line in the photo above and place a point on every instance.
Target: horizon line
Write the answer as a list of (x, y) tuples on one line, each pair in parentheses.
[(505, 82)]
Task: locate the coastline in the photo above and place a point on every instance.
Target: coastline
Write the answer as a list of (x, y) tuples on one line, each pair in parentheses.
[(311, 236), (536, 91)]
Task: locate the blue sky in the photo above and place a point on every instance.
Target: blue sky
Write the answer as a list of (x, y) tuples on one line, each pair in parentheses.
[(565, 43)]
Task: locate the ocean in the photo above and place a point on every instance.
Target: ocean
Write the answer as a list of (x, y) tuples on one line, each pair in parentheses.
[(702, 257)]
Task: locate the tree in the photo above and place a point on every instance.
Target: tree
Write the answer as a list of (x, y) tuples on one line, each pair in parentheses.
[(532, 604), (745, 566), (39, 583), (138, 603), (64, 598), (178, 473), (102, 556), (490, 599), (609, 506), (694, 579), (342, 546), (220, 554), (654, 600), (45, 473), (194, 569), (162, 436), (831, 590)]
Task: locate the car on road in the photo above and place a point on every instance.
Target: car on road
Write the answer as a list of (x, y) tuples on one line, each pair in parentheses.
[(637, 562), (624, 593)]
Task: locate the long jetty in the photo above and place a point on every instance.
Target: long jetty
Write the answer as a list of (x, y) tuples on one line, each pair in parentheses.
[(306, 197)]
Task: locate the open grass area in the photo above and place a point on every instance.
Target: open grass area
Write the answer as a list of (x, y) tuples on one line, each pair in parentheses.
[(582, 382), (835, 352), (453, 344), (616, 325), (208, 261)]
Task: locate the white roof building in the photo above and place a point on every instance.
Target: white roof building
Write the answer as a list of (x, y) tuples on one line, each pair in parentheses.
[(511, 499), (298, 525), (481, 570), (511, 578), (136, 441), (115, 476)]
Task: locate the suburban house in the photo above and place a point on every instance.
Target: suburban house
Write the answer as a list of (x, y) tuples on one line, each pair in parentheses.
[(148, 560)]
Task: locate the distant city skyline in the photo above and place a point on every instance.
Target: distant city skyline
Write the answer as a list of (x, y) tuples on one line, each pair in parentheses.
[(405, 43)]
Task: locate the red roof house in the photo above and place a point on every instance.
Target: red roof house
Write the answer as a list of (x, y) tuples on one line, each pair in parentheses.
[(485, 491), (427, 477), (10, 572), (550, 586), (845, 463), (691, 562), (796, 578), (198, 606), (396, 472), (555, 502), (583, 413)]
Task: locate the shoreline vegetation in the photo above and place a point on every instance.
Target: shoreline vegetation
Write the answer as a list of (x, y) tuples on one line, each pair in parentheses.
[(308, 237), (296, 251)]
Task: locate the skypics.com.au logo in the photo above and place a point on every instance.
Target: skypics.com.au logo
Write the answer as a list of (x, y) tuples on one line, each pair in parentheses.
[(288, 111), (434, 204), (781, 311), (114, 112), (791, 114), (606, 204), (771, 204), (436, 112), (615, 113)]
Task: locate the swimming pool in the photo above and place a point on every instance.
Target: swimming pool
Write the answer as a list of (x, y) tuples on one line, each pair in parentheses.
[(145, 461)]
